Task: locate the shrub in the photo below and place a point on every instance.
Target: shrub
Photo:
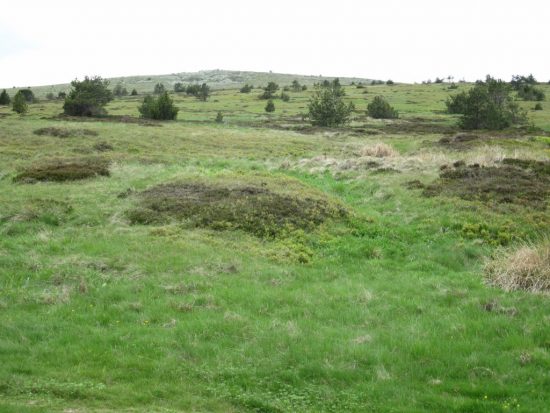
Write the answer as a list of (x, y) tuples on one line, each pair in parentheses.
[(4, 98), (204, 92), (524, 268), (296, 87), (390, 82), (88, 97), (327, 107), (19, 104), (59, 170), (179, 87), (304, 88), (456, 104), (120, 90), (192, 90), (538, 106), (134, 92), (246, 88), (28, 94), (270, 106), (160, 108), (270, 90), (50, 96), (379, 108), (529, 92), (61, 95), (159, 89), (219, 118), (285, 97), (488, 105)]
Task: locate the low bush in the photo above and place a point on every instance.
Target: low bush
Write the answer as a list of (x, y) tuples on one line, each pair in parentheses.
[(379, 150), (270, 106), (379, 108), (160, 108), (59, 170), (64, 132), (88, 97)]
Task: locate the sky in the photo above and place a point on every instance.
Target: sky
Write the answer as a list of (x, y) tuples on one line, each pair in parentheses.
[(46, 42)]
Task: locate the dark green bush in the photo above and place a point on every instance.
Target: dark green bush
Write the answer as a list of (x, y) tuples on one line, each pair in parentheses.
[(270, 106), (538, 106), (119, 90), (296, 87), (285, 97), (179, 87), (379, 108), (270, 90), (88, 97), (134, 92), (19, 103), (28, 94), (50, 96), (488, 105), (4, 98), (159, 89), (456, 104), (246, 88), (219, 117), (327, 107), (160, 108)]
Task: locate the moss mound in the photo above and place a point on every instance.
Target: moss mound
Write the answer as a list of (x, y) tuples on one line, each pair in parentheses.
[(64, 132), (59, 170), (518, 181), (252, 207)]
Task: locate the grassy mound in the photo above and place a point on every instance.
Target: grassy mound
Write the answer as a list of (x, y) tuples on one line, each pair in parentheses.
[(517, 181), (64, 132), (59, 170), (256, 207), (525, 268)]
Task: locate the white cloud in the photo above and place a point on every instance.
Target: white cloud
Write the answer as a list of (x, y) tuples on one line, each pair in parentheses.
[(59, 40)]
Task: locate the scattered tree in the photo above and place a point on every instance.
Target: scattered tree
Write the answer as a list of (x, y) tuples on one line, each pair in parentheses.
[(270, 106), (379, 108), (304, 88), (50, 96), (327, 107), (159, 89), (204, 92), (488, 105), (28, 94), (390, 82), (119, 90), (61, 95), (296, 87), (219, 117), (246, 88), (4, 98), (285, 97), (525, 86), (193, 90), (270, 90), (134, 92), (88, 97), (179, 87), (160, 108), (19, 104)]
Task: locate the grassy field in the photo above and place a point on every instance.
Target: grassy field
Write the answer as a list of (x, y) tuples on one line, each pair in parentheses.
[(375, 301)]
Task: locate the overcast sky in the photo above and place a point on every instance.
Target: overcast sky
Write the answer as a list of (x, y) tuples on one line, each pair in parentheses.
[(54, 41)]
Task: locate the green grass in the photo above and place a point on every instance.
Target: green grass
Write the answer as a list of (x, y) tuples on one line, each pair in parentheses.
[(389, 313)]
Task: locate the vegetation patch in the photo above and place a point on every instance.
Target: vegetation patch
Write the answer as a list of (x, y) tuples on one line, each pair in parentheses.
[(523, 268), (64, 132), (58, 170), (460, 141), (518, 181), (252, 207)]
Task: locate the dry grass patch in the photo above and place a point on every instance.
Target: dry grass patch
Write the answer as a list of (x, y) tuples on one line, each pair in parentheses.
[(59, 170), (524, 268), (379, 150)]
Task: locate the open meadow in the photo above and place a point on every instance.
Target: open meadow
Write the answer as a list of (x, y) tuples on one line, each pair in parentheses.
[(262, 264)]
